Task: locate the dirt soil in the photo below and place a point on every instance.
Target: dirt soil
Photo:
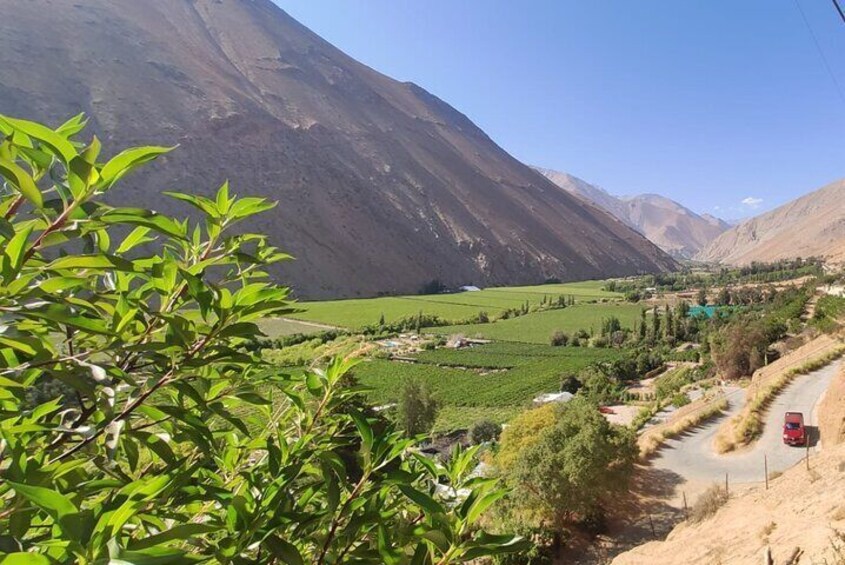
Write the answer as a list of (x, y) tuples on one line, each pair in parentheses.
[(832, 412), (801, 509), (623, 414)]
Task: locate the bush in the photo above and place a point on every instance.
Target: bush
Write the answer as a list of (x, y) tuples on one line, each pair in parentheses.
[(180, 444), (559, 339), (485, 431), (708, 503), (680, 399)]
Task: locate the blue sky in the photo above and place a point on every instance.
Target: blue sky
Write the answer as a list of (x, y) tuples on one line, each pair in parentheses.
[(726, 106)]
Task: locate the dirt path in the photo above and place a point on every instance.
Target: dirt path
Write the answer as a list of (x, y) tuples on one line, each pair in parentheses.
[(307, 323)]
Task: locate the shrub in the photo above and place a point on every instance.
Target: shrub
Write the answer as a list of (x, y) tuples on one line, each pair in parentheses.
[(680, 399), (178, 444), (559, 339), (485, 431), (708, 503)]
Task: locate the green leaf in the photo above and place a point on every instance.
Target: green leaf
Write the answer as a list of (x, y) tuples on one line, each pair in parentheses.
[(314, 383), (364, 429), (57, 284), (423, 500), (246, 207), (73, 126), (59, 145), (483, 503), (136, 237), (7, 230), (223, 199), (62, 315), (179, 533), (439, 539), (283, 550), (15, 251), (54, 503), (126, 161), (24, 558), (97, 261), (141, 217), (201, 203), (19, 179)]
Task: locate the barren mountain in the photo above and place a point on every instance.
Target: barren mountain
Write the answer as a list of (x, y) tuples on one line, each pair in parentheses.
[(382, 186), (813, 225), (677, 230)]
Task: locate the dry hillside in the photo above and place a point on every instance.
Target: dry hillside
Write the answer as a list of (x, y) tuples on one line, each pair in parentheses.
[(802, 509), (813, 225), (382, 186)]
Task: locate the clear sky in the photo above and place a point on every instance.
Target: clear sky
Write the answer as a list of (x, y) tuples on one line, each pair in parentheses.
[(724, 105)]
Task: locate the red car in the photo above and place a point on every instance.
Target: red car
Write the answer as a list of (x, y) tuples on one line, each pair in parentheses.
[(794, 432)]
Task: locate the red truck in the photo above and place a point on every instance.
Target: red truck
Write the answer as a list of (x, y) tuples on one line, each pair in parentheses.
[(794, 432)]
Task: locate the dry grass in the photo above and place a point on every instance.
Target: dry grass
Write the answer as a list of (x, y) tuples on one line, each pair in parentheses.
[(651, 441), (708, 503), (747, 426), (767, 530)]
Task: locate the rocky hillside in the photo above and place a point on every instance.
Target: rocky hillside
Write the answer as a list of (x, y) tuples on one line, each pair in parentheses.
[(382, 186), (813, 225), (677, 230)]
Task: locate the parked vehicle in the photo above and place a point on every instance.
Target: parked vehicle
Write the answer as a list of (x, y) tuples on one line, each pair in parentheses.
[(794, 432)]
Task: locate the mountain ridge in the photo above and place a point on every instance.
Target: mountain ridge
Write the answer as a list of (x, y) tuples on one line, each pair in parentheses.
[(811, 225), (671, 226), (383, 186)]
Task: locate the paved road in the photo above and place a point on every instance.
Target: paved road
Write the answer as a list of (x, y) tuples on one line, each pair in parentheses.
[(692, 457)]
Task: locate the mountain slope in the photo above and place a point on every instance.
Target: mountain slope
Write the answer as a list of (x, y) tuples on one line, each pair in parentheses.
[(382, 186), (677, 230), (813, 225)]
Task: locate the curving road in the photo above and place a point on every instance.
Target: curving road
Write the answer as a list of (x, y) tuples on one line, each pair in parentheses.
[(692, 457)]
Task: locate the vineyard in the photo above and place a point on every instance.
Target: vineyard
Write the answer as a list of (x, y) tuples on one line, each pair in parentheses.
[(492, 381), (456, 307), (538, 327)]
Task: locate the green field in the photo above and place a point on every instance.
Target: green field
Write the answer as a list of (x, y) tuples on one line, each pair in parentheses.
[(356, 313), (469, 390), (537, 327)]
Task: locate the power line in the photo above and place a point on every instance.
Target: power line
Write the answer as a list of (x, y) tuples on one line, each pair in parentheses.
[(839, 9), (821, 53)]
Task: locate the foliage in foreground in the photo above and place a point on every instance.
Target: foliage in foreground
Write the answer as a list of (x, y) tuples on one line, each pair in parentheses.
[(135, 426)]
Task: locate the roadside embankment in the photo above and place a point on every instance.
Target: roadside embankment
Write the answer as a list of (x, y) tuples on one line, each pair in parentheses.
[(767, 383), (832, 412)]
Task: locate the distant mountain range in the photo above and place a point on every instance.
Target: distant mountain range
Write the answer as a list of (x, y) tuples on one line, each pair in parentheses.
[(674, 228), (382, 186), (813, 225)]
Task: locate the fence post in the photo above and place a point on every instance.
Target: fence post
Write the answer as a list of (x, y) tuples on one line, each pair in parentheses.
[(686, 514), (650, 521), (727, 493), (766, 469), (807, 456)]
